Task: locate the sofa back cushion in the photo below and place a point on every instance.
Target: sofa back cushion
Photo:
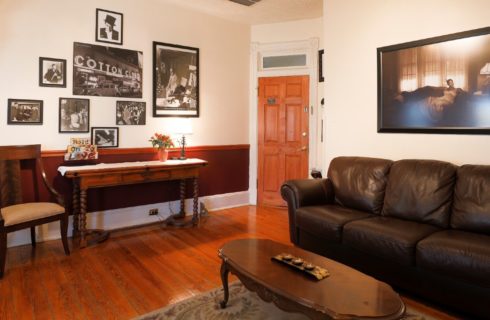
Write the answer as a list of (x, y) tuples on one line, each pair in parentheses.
[(359, 182), (471, 207), (420, 190)]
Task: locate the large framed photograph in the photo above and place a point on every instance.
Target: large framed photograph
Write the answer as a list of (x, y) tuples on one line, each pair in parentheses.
[(52, 72), (23, 111), (436, 85), (130, 113), (105, 137), (175, 80), (109, 26), (74, 115), (107, 71)]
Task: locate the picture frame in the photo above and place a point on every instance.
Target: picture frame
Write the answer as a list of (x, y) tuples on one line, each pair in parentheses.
[(436, 85), (320, 65), (175, 80), (108, 26), (130, 113), (24, 112), (52, 72), (74, 115), (105, 137), (107, 71)]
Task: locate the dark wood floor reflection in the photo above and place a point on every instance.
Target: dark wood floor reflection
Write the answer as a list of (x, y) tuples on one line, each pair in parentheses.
[(135, 271)]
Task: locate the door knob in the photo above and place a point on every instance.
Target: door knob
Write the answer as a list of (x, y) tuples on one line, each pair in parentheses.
[(303, 149)]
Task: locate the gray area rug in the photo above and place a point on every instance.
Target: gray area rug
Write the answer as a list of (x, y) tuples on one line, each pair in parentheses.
[(243, 305)]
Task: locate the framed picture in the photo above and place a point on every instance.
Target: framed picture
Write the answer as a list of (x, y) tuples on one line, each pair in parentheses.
[(52, 72), (130, 113), (109, 26), (320, 66), (436, 85), (175, 80), (74, 115), (107, 71), (23, 111), (105, 137)]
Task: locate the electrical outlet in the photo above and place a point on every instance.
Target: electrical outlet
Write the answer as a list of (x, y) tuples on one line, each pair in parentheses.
[(153, 212)]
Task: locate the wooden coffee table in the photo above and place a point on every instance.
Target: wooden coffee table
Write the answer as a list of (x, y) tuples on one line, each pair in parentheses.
[(345, 294)]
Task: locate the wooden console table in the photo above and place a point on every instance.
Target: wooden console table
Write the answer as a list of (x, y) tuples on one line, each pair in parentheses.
[(116, 174)]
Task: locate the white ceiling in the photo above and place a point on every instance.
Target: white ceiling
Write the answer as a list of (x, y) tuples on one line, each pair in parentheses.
[(265, 11)]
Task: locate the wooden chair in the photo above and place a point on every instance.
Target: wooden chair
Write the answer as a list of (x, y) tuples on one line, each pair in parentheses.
[(16, 214)]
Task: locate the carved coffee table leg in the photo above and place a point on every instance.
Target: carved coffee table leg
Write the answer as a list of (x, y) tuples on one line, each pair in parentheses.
[(224, 279)]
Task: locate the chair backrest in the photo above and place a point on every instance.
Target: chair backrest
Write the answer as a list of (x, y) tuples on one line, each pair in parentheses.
[(10, 171)]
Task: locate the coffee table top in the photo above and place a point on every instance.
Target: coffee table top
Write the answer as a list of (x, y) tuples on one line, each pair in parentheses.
[(346, 293)]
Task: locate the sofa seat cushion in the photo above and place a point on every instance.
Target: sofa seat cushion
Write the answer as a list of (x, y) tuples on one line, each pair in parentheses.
[(389, 238), (327, 221), (459, 254)]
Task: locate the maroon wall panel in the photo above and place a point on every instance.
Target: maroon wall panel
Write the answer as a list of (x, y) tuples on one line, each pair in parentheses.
[(227, 171)]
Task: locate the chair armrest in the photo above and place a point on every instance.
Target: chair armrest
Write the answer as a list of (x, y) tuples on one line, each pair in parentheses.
[(301, 193), (51, 190)]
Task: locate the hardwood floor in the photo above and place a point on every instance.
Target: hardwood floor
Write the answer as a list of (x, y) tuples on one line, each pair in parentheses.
[(135, 271)]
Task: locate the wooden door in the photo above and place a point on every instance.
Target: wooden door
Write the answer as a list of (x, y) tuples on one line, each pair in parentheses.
[(283, 110)]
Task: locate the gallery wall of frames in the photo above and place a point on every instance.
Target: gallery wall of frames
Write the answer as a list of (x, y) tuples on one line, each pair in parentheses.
[(104, 69)]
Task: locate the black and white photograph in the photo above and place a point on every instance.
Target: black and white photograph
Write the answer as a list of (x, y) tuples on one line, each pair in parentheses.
[(107, 71), (22, 111), (109, 26), (436, 85), (74, 115), (130, 113), (105, 137), (175, 80), (52, 72)]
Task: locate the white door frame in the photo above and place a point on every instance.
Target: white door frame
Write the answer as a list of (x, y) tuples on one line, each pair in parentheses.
[(258, 50)]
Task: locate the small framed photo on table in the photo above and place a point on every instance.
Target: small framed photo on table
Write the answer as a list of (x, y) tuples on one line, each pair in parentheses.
[(23, 111), (105, 137), (109, 26), (74, 115), (52, 72)]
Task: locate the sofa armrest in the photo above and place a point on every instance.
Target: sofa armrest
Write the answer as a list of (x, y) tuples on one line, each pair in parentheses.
[(301, 193)]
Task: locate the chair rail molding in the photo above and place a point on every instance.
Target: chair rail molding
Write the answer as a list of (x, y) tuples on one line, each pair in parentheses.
[(258, 51)]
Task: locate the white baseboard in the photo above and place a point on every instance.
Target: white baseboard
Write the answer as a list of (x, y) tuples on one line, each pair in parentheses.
[(132, 216)]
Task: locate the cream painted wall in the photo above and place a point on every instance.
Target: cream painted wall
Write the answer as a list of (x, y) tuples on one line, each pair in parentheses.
[(288, 31), (31, 28), (353, 30)]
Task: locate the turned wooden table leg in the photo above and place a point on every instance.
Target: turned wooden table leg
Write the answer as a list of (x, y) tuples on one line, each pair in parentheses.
[(83, 218), (195, 214), (76, 207), (182, 198), (224, 279)]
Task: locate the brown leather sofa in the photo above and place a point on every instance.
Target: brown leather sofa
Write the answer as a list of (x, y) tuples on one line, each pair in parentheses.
[(420, 225)]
